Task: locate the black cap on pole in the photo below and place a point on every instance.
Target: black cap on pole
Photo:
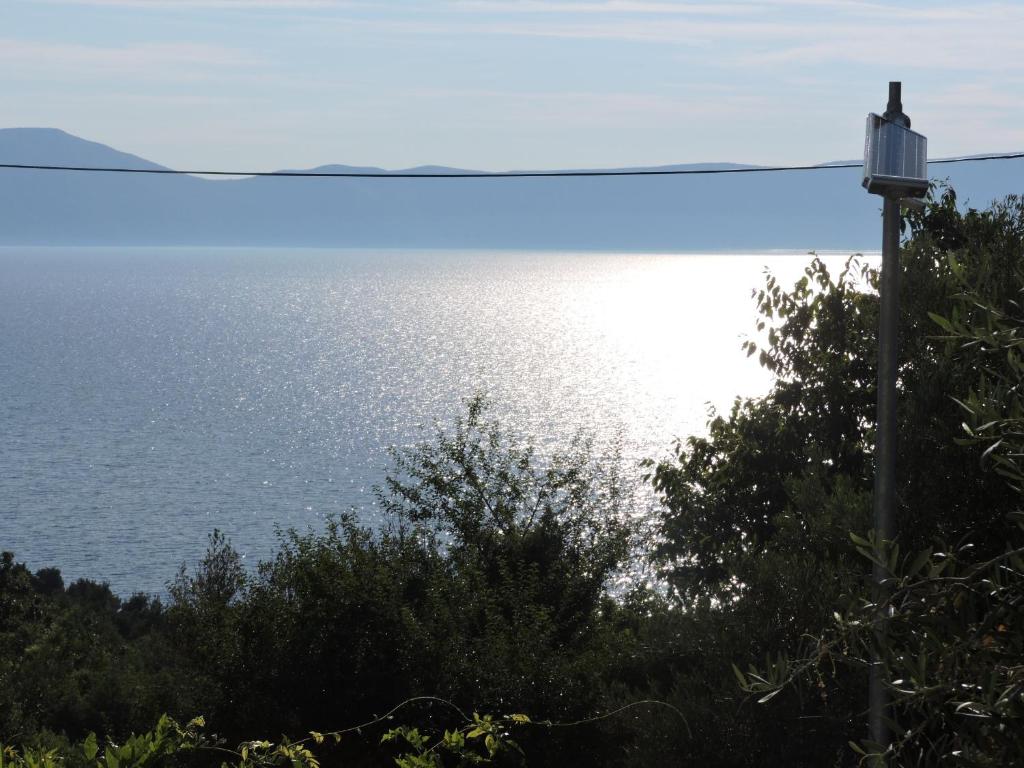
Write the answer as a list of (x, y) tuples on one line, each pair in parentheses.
[(895, 97), (894, 109)]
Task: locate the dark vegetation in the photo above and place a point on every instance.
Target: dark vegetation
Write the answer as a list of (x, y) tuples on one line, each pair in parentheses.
[(488, 587)]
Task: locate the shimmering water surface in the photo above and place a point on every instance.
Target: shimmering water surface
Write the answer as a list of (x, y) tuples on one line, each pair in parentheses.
[(149, 396)]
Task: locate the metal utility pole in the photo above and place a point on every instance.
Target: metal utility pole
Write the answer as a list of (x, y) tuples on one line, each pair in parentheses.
[(885, 441), (895, 167)]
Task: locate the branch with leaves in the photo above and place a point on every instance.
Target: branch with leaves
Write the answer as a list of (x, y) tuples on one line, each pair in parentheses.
[(475, 740)]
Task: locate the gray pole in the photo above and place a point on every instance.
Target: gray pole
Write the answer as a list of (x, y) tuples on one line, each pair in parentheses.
[(885, 445), (885, 441)]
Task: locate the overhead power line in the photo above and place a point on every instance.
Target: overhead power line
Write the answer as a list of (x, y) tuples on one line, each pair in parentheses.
[(483, 174)]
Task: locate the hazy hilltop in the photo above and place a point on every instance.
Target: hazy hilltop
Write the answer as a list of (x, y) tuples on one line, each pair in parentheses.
[(824, 209)]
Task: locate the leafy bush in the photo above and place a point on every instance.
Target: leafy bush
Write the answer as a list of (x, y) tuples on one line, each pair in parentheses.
[(486, 586), (952, 649)]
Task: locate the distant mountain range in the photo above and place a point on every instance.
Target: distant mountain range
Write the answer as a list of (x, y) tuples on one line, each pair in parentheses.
[(801, 210)]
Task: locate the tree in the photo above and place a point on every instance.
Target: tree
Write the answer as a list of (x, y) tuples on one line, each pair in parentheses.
[(730, 495), (78, 658), (555, 533), (953, 648), (758, 512), (486, 584)]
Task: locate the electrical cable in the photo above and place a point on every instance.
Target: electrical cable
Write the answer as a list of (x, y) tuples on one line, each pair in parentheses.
[(484, 174)]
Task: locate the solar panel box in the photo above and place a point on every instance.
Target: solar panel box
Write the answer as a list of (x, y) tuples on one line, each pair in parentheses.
[(895, 159)]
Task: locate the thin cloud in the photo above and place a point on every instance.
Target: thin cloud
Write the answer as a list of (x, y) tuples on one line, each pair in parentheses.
[(214, 4), (609, 7), (659, 8), (979, 45), (169, 61), (783, 28)]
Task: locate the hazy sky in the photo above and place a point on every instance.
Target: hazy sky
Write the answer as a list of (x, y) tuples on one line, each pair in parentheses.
[(500, 84)]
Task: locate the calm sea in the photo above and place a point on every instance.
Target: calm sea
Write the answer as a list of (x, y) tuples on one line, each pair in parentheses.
[(148, 396)]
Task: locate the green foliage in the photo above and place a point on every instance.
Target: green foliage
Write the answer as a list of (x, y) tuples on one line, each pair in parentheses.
[(952, 638), (486, 584), (496, 509), (733, 496), (755, 521), (757, 513), (218, 581), (79, 658), (729, 496), (483, 740), (146, 750)]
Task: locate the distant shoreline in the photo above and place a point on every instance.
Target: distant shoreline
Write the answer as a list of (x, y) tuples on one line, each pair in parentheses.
[(463, 249)]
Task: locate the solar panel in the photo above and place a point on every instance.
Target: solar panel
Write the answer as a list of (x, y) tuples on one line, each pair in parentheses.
[(895, 159)]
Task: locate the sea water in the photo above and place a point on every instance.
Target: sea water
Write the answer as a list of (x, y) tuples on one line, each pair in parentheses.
[(149, 396)]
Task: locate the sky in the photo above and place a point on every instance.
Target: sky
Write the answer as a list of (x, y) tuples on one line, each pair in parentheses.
[(509, 84)]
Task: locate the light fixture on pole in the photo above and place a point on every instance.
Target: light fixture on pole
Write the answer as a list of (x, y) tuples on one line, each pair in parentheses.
[(895, 167)]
